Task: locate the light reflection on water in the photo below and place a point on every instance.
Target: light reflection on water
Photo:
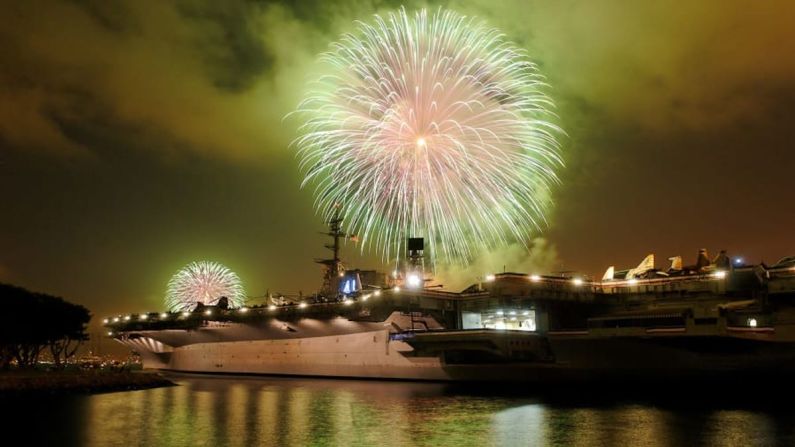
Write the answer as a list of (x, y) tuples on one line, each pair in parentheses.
[(297, 412)]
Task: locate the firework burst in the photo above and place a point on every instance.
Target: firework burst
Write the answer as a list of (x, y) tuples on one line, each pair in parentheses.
[(203, 282), (432, 125)]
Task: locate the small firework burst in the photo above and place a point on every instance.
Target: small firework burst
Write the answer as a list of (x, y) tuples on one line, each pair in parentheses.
[(203, 282)]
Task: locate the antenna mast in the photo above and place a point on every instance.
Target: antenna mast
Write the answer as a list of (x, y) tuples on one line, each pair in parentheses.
[(333, 268)]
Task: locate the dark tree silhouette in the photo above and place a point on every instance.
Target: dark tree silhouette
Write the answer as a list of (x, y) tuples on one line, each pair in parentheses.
[(32, 322)]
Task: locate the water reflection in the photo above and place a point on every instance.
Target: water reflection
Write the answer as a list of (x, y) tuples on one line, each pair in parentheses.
[(292, 412)]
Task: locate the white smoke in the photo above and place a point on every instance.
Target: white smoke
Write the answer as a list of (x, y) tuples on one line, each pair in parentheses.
[(539, 257)]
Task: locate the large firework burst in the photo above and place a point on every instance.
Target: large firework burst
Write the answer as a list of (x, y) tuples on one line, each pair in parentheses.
[(205, 282), (430, 125)]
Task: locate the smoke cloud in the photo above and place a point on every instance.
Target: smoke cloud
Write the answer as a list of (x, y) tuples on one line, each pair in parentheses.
[(218, 77), (540, 257)]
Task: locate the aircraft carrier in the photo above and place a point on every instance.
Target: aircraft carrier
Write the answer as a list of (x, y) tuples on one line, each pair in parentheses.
[(716, 318)]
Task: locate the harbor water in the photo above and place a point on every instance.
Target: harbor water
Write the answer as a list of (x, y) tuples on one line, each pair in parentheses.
[(248, 411)]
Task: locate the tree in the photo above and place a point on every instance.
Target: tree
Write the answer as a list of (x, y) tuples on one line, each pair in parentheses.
[(32, 322), (68, 330)]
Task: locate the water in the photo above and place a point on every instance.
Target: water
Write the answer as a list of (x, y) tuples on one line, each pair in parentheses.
[(242, 411)]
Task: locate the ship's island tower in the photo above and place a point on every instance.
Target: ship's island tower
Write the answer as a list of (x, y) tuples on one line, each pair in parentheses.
[(333, 268)]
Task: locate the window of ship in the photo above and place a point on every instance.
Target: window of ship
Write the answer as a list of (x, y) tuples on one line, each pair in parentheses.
[(500, 319)]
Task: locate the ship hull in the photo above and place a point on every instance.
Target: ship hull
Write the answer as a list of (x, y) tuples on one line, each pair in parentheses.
[(375, 354), (368, 354)]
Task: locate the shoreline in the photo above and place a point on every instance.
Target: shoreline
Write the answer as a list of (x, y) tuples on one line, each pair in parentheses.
[(78, 382)]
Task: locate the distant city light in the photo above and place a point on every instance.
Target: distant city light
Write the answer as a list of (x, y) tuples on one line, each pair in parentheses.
[(738, 261), (116, 319), (127, 318), (513, 312), (365, 297), (163, 316), (105, 321), (110, 333), (272, 307), (720, 274), (302, 305), (143, 317), (499, 312), (243, 310), (377, 293), (185, 314)]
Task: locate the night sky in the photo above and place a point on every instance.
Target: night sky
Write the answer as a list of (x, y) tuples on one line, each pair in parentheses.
[(138, 136)]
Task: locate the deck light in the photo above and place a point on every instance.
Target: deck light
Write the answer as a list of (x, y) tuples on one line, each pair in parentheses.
[(116, 319), (577, 281), (490, 278), (185, 314), (163, 316), (377, 293), (535, 278), (243, 310), (302, 305), (752, 322), (396, 289), (413, 280), (720, 274), (143, 317), (347, 302), (272, 307), (127, 318), (105, 321), (208, 312), (632, 282)]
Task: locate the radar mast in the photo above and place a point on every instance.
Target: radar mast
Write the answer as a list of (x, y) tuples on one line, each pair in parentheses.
[(333, 267)]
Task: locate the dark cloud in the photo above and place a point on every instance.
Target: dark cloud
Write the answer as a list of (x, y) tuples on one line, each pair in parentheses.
[(113, 15), (232, 44)]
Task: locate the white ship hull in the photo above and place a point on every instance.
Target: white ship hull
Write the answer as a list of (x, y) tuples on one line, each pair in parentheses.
[(361, 355)]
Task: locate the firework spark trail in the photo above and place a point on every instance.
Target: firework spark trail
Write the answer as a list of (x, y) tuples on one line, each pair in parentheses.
[(430, 125), (204, 282)]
